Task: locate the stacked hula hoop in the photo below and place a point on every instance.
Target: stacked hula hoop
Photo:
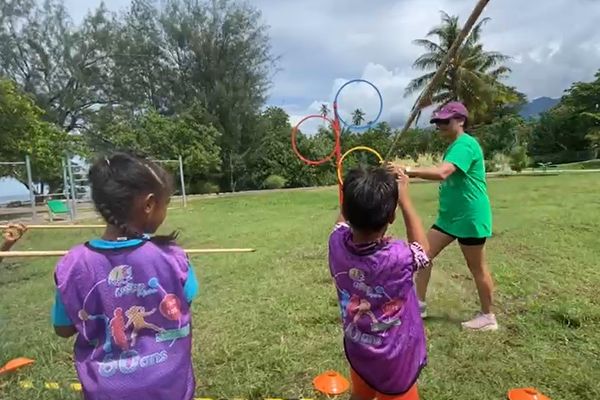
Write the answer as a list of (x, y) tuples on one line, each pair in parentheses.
[(336, 124)]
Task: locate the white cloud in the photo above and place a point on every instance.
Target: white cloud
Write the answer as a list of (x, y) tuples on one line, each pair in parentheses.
[(325, 43), (391, 85), (319, 42)]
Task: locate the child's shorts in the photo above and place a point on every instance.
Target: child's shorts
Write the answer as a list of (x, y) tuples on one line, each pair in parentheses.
[(361, 389)]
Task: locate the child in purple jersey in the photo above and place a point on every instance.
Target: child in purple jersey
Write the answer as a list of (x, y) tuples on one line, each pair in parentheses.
[(127, 296), (384, 338)]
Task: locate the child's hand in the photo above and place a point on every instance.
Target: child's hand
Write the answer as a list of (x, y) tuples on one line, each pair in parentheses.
[(403, 181), (396, 167), (13, 233)]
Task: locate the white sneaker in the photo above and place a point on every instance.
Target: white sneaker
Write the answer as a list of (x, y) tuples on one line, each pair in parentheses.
[(423, 309), (481, 322)]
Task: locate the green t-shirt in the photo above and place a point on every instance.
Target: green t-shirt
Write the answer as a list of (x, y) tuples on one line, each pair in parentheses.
[(464, 209)]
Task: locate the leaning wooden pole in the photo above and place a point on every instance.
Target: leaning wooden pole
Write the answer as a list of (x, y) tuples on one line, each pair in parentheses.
[(426, 94), (60, 253), (69, 226)]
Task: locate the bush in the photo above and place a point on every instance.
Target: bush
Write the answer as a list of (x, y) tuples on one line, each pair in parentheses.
[(205, 188), (422, 160), (499, 163), (519, 159), (274, 182), (490, 166)]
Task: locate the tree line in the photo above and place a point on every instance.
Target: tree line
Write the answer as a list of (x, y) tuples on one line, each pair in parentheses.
[(191, 78)]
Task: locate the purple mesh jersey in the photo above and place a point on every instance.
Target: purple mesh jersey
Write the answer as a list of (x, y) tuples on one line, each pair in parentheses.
[(133, 321), (384, 337)]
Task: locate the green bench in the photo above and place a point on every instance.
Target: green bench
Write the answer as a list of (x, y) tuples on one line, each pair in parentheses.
[(57, 208)]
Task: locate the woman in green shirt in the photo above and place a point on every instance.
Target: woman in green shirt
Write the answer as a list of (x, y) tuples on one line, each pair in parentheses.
[(464, 209)]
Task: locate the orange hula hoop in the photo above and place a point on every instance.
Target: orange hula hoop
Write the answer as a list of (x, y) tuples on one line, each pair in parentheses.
[(336, 134)]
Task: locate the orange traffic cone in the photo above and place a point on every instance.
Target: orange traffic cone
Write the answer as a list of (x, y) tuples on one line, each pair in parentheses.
[(15, 364), (526, 394), (331, 383)]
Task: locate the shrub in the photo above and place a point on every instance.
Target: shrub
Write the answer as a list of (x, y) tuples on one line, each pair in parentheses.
[(422, 160), (490, 166), (501, 162), (274, 182), (206, 188), (519, 159)]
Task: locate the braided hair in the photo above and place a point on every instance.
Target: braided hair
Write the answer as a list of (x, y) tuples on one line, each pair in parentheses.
[(118, 180)]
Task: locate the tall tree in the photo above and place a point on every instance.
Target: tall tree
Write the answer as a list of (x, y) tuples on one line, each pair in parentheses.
[(25, 133), (215, 52), (569, 131), (187, 135), (472, 77), (64, 67)]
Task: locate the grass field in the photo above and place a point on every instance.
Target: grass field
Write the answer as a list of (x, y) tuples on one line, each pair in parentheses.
[(266, 323)]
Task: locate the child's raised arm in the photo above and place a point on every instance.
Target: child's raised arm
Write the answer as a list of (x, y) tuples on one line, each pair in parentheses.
[(414, 227)]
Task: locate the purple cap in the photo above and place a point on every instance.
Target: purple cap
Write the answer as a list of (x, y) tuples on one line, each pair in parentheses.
[(451, 110)]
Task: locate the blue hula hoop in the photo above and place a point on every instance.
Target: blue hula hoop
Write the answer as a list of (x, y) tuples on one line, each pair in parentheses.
[(370, 123)]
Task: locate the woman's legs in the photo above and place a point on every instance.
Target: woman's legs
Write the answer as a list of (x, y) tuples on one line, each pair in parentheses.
[(437, 242), (475, 257)]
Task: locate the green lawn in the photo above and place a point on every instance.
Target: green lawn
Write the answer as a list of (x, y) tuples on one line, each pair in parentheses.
[(266, 323)]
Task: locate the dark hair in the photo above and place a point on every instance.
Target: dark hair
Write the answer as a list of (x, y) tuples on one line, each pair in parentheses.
[(370, 198), (465, 123), (117, 181)]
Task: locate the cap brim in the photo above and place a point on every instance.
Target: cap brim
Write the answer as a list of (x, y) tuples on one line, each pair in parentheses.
[(444, 117)]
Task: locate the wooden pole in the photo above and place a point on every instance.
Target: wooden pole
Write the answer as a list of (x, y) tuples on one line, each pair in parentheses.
[(60, 253), (426, 94), (70, 226)]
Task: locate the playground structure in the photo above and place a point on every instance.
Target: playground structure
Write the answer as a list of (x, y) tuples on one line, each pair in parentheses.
[(27, 164), (75, 188), (179, 162)]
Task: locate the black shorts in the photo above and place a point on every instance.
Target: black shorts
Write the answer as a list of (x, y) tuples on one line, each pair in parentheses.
[(464, 241)]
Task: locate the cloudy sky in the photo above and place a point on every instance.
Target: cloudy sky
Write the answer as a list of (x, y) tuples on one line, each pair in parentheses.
[(322, 43)]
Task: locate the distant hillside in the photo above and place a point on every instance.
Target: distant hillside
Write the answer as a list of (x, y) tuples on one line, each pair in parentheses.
[(538, 106)]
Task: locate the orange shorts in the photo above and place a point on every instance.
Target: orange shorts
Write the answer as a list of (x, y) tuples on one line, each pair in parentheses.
[(361, 389)]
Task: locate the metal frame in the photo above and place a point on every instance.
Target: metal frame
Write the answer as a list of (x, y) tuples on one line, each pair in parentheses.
[(179, 160), (27, 164), (71, 181)]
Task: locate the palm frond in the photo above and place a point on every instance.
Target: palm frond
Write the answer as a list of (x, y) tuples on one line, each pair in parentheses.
[(443, 98), (429, 45), (418, 83), (475, 34), (500, 72), (427, 61)]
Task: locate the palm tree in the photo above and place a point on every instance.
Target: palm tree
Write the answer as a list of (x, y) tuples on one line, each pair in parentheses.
[(358, 116), (472, 77), (324, 110)]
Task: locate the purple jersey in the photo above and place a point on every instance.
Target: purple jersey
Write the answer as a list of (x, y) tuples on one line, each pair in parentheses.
[(132, 319), (384, 337)]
